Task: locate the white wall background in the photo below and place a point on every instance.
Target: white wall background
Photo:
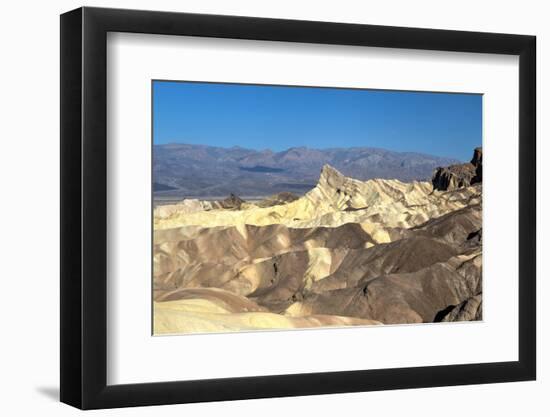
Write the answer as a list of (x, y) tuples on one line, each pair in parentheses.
[(29, 219)]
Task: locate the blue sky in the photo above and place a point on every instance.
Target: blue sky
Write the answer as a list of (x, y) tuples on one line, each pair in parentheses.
[(279, 117)]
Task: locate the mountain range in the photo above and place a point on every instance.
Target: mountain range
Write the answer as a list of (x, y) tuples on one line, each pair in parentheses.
[(186, 170)]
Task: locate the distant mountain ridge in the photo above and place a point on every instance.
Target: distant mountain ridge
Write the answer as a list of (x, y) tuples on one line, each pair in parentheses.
[(187, 170)]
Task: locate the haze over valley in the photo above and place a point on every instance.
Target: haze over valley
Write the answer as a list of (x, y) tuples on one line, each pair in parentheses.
[(200, 171)]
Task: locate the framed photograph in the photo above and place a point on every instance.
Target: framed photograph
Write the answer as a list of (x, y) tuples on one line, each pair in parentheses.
[(256, 208)]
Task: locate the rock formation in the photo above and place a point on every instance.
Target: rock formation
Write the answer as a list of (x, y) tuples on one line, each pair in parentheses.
[(348, 252), (461, 175)]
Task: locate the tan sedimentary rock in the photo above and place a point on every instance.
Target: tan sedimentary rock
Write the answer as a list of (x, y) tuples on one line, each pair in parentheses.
[(213, 310)]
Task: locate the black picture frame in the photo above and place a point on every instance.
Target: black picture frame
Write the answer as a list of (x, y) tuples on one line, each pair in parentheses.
[(84, 207)]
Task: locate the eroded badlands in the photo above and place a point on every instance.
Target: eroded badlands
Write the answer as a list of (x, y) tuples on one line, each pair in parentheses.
[(348, 252)]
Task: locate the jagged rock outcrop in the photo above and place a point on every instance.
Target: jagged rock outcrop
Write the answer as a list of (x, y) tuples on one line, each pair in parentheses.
[(460, 175), (232, 202), (477, 161)]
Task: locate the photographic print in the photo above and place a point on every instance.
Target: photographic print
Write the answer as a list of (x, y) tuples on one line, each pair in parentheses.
[(292, 207)]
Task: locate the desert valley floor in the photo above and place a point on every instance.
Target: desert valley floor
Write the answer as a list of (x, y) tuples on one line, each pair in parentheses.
[(348, 252)]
